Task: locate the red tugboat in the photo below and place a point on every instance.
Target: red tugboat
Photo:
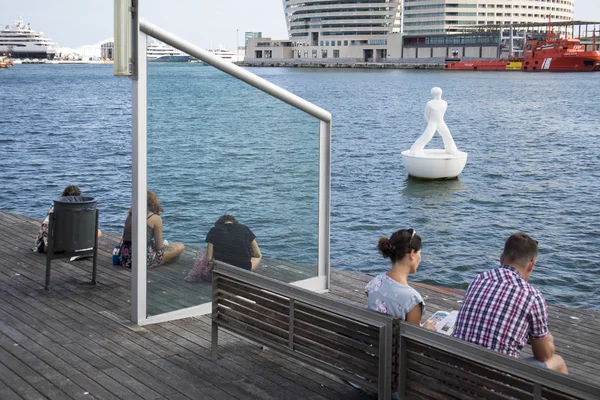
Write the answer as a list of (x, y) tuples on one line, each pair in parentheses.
[(552, 54)]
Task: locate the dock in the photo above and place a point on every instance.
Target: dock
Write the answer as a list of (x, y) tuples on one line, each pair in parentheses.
[(76, 341)]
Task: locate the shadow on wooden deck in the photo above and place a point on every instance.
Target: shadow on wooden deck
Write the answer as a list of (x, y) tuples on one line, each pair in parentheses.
[(76, 342)]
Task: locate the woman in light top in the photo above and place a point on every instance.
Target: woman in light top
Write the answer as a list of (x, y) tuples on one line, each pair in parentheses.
[(389, 293), (157, 253)]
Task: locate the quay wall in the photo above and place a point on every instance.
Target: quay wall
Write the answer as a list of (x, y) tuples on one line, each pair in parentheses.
[(321, 63)]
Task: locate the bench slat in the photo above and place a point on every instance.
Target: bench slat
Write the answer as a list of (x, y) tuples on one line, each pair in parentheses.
[(550, 394), (447, 377), (340, 364), (249, 331), (455, 370), (484, 372), (253, 322), (334, 340), (256, 315), (250, 303), (263, 297), (417, 381), (335, 324)]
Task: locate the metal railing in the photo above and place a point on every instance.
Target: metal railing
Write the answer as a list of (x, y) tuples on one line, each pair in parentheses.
[(142, 29)]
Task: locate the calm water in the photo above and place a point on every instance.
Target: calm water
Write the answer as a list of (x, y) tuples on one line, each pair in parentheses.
[(216, 146)]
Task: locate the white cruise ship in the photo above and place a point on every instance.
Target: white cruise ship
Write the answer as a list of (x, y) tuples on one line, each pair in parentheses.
[(226, 55), (20, 41), (157, 51)]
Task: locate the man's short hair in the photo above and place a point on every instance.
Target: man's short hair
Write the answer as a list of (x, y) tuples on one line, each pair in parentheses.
[(519, 249)]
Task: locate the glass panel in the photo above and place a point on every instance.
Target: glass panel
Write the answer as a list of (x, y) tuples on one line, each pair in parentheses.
[(218, 146)]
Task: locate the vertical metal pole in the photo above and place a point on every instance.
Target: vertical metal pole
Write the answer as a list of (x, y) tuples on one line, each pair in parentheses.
[(402, 363), (138, 169), (324, 200)]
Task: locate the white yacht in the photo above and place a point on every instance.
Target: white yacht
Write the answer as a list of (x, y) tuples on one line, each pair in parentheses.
[(226, 55), (157, 51), (20, 41)]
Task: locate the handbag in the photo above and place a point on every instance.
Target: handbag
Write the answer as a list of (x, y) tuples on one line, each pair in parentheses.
[(117, 253), (202, 270), (117, 249)]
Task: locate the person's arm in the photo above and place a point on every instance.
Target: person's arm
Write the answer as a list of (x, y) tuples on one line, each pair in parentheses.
[(256, 255), (209, 252), (414, 317), (158, 240), (543, 349)]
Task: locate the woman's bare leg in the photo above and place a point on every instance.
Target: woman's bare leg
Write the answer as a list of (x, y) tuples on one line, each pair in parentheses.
[(172, 251)]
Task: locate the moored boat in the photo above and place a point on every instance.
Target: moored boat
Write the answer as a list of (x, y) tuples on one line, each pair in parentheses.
[(552, 54)]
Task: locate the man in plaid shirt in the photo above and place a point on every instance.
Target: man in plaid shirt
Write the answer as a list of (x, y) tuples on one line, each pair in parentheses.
[(501, 310)]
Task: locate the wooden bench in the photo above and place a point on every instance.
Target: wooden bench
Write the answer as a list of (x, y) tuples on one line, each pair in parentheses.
[(348, 341), (435, 366), (374, 350)]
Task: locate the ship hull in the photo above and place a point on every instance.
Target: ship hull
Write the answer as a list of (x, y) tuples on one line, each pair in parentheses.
[(579, 63), (170, 59)]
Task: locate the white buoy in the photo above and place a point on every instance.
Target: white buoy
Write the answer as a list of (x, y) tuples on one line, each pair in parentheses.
[(434, 163)]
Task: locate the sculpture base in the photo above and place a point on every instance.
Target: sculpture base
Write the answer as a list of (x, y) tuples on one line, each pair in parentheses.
[(434, 164)]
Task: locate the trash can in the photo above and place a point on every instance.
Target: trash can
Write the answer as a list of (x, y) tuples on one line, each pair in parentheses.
[(74, 223)]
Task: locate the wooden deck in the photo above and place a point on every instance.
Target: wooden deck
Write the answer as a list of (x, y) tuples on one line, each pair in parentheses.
[(75, 342)]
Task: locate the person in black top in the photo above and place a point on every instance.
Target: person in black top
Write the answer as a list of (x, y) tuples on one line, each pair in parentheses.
[(233, 243)]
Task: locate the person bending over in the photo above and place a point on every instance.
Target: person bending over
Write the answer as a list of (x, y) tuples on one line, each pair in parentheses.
[(501, 310), (233, 243), (389, 292), (41, 241), (156, 251)]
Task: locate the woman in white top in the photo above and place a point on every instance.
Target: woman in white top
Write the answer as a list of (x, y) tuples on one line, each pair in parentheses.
[(389, 292)]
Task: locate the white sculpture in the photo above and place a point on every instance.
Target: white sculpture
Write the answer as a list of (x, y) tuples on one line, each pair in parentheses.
[(434, 115), (434, 163)]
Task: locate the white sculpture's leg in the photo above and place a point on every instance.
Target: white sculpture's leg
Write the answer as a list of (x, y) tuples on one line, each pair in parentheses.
[(419, 145), (449, 144)]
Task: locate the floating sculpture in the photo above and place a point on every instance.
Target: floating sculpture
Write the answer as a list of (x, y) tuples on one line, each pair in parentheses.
[(435, 163)]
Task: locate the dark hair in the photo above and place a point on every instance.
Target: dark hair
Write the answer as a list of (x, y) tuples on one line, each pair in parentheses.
[(225, 218), (71, 190), (399, 244), (519, 248)]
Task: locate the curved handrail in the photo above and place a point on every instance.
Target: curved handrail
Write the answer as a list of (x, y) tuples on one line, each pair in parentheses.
[(234, 70)]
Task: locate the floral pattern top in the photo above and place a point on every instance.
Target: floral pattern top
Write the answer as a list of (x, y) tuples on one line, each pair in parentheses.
[(388, 296)]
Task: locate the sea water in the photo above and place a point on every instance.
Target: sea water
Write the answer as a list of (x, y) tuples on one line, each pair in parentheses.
[(217, 146)]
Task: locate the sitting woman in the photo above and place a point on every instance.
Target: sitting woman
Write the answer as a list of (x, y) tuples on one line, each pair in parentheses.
[(41, 242), (157, 253), (233, 243), (389, 293)]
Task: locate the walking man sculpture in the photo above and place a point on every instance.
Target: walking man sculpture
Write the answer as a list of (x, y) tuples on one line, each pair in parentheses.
[(434, 115)]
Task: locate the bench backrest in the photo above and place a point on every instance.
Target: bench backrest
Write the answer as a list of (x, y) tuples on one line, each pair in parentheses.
[(433, 366), (348, 341)]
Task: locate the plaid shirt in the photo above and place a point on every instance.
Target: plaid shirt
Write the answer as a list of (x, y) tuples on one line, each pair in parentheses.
[(500, 310)]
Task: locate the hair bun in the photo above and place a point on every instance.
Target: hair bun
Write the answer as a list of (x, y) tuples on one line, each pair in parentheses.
[(386, 248)]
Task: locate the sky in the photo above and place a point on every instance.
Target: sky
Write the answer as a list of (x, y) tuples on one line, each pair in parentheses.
[(207, 23)]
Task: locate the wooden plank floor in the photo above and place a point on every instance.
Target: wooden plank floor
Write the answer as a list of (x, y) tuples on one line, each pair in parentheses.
[(75, 342)]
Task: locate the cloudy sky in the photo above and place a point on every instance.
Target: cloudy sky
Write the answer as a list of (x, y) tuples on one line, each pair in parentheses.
[(208, 23)]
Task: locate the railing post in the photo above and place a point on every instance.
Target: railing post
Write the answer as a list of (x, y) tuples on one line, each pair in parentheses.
[(385, 361), (139, 176), (324, 200)]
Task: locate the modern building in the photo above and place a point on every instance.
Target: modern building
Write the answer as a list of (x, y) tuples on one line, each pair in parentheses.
[(342, 28), (251, 35), (389, 30), (448, 16)]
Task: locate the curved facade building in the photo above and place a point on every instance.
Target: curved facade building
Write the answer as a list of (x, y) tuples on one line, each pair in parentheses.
[(446, 16), (345, 20)]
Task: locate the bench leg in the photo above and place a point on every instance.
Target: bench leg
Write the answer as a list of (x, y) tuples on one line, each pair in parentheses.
[(214, 341)]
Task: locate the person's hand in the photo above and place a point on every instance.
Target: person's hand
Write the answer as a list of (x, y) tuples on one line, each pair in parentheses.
[(430, 326)]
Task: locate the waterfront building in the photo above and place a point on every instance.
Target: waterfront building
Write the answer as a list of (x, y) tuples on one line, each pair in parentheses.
[(449, 16), (341, 29), (251, 35)]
